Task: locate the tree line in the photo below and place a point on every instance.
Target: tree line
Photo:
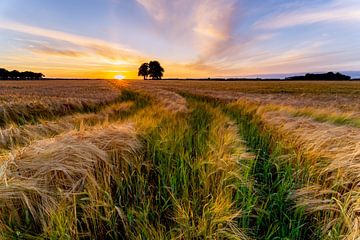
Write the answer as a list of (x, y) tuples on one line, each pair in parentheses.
[(16, 75), (152, 69), (321, 76)]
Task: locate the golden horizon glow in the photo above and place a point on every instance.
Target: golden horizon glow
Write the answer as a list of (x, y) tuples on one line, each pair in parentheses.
[(119, 77), (216, 38)]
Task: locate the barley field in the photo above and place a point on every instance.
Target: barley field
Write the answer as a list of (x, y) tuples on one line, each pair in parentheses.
[(96, 159)]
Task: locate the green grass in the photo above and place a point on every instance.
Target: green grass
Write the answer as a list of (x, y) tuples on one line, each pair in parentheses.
[(33, 113), (274, 215), (276, 178), (194, 178), (90, 213), (141, 101), (189, 182), (174, 197), (337, 119)]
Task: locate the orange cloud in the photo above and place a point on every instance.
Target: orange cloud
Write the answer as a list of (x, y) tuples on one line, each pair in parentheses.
[(55, 51), (91, 57), (97, 46)]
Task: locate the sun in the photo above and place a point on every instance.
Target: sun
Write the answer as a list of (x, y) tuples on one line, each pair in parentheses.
[(119, 77)]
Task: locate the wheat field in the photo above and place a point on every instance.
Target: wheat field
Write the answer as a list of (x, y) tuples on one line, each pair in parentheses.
[(96, 159)]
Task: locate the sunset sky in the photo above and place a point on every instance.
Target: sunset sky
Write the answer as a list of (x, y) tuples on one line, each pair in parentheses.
[(191, 38)]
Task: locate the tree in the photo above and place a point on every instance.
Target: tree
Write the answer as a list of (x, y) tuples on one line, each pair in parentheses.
[(16, 75), (4, 74), (144, 70), (321, 76), (155, 70), (39, 76)]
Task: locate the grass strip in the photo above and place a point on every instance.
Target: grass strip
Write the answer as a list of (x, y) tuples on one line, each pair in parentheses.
[(276, 174), (32, 113)]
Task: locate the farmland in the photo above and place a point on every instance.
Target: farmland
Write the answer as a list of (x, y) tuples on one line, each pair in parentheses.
[(93, 159)]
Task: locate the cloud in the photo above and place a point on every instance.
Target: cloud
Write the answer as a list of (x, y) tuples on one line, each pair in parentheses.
[(214, 25), (156, 8), (164, 11), (303, 57), (203, 38), (335, 11), (54, 51), (95, 46), (171, 20), (90, 57), (206, 24)]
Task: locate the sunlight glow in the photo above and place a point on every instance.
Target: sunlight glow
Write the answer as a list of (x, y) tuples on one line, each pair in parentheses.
[(119, 77)]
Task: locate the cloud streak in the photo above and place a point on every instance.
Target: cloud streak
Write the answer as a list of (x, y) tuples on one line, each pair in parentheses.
[(95, 46), (42, 49), (158, 9), (336, 11)]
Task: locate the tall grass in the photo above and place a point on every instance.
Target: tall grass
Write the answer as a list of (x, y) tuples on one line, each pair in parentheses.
[(166, 176), (167, 99), (329, 155), (277, 175), (192, 174), (319, 115), (15, 136), (139, 169), (331, 193), (68, 176), (328, 116), (306, 174), (31, 112), (127, 104), (22, 113), (61, 188)]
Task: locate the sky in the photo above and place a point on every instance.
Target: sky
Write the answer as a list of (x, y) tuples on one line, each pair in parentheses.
[(190, 38)]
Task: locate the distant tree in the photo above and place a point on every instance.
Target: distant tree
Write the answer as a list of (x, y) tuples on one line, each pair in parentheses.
[(155, 70), (39, 76), (4, 74), (16, 75), (321, 76), (144, 70)]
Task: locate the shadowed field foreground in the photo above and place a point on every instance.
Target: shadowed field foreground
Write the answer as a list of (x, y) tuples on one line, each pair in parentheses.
[(179, 160)]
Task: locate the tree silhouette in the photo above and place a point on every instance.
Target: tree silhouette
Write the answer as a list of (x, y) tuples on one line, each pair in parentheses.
[(16, 75), (4, 74), (321, 76), (144, 70), (155, 70)]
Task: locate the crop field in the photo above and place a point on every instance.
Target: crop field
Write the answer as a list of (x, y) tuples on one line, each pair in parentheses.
[(94, 159)]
